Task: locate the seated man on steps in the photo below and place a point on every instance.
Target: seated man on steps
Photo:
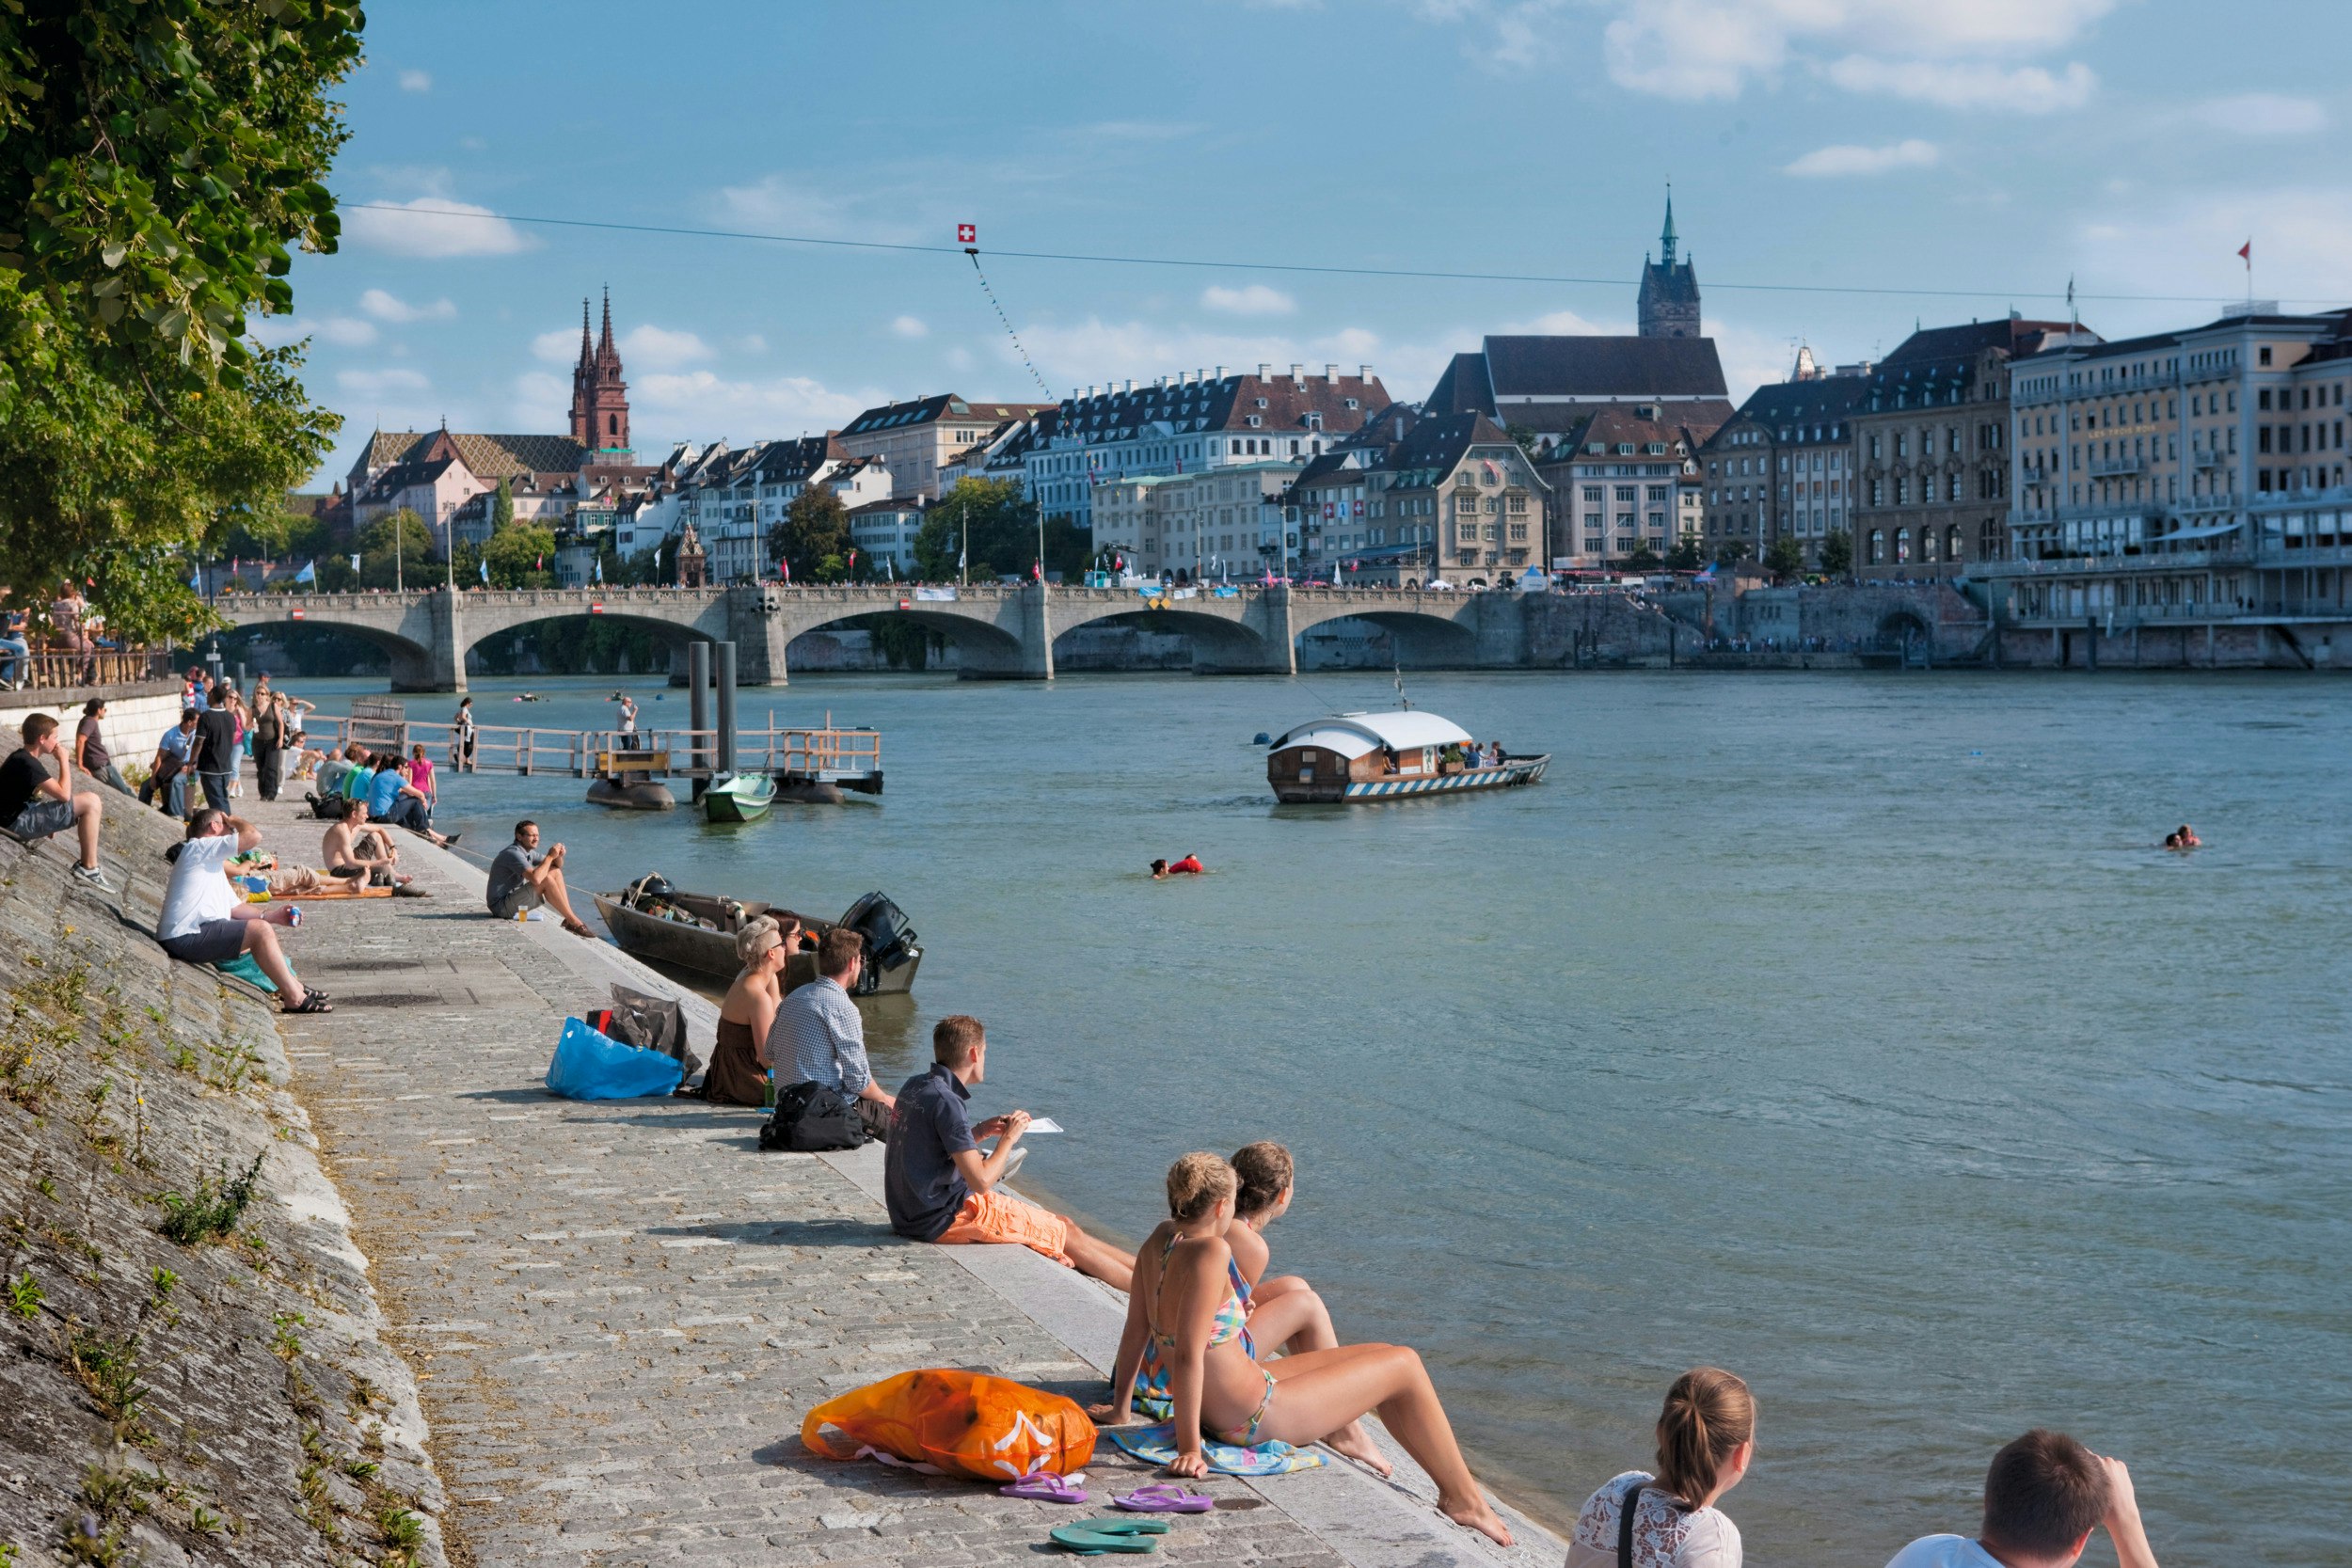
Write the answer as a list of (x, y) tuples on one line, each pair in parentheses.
[(820, 1038), (352, 849), (519, 885), (34, 804), (203, 920), (395, 803), (2042, 1496), (941, 1188)]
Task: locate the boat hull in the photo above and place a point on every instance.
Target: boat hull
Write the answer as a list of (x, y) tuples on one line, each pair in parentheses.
[(712, 953), (733, 804), (644, 795), (1355, 792)]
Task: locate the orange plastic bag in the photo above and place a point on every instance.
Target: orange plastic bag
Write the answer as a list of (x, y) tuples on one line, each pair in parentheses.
[(964, 1423)]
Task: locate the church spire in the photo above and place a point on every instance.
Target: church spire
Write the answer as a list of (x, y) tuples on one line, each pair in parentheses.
[(604, 345), (583, 330), (1666, 239)]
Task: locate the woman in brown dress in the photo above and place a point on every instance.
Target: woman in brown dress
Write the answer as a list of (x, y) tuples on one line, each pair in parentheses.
[(739, 1071)]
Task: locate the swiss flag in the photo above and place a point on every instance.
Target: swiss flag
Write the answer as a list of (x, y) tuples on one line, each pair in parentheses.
[(967, 233)]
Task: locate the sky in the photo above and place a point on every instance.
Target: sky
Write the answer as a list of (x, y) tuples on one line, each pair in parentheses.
[(1841, 170)]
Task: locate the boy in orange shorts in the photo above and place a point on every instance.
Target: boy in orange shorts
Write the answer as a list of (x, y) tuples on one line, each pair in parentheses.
[(941, 1188)]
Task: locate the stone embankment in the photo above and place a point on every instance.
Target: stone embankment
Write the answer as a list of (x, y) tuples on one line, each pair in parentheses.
[(193, 1367)]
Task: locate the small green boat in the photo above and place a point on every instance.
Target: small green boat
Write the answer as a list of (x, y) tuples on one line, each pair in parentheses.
[(742, 798)]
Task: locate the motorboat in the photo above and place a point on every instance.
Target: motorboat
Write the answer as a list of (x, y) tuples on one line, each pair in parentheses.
[(744, 798), (1352, 758), (652, 920)]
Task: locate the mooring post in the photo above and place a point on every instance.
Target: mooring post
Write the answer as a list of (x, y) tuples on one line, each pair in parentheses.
[(697, 706), (724, 678)]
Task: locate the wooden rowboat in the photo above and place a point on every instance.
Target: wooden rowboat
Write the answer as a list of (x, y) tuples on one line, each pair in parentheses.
[(742, 798), (651, 920)]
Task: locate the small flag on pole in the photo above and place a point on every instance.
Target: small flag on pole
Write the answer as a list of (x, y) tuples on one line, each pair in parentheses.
[(309, 572), (2246, 254), (354, 563), (967, 233), (599, 569), (483, 567)]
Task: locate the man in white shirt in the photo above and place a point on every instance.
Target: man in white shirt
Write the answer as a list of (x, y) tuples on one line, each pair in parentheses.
[(2042, 1496), (204, 921)]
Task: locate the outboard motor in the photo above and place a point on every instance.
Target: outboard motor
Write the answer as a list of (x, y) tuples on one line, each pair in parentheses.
[(890, 941)]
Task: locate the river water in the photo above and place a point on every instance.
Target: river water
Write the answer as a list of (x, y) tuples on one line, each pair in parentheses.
[(1844, 1031)]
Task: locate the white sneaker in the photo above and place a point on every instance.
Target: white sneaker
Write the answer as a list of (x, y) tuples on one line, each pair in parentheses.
[(93, 877)]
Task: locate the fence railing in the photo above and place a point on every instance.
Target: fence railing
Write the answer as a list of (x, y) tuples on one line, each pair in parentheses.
[(57, 672), (831, 753)]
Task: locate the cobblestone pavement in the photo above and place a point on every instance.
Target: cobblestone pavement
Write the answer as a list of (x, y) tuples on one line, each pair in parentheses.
[(620, 1312)]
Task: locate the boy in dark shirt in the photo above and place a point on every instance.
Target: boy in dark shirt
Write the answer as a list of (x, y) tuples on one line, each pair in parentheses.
[(34, 804)]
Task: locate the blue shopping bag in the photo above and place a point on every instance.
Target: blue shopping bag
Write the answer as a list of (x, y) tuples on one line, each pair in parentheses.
[(590, 1065)]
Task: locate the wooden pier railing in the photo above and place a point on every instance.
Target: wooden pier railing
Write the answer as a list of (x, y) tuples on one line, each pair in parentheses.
[(828, 754)]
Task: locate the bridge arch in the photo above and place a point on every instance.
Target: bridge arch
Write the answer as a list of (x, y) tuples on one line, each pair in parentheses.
[(1221, 644), (984, 649), (1429, 630), (674, 636)]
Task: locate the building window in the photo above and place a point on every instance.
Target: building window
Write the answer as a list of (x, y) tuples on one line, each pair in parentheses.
[(1877, 549)]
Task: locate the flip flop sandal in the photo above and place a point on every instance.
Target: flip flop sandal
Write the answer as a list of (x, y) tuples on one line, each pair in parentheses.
[(1165, 1497), (1097, 1537), (1044, 1486)]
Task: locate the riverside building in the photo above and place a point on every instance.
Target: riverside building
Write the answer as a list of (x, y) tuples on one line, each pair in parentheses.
[(915, 439), (1783, 467), (2191, 481), (1931, 428)]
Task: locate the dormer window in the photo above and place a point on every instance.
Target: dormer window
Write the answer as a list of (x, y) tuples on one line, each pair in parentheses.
[(1351, 403), (1625, 449), (1653, 449), (1594, 449), (1262, 403)]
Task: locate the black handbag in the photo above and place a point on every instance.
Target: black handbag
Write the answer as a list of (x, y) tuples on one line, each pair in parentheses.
[(812, 1118)]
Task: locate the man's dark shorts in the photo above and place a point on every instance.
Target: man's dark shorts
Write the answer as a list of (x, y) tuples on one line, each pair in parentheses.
[(517, 902), (39, 819), (215, 941)]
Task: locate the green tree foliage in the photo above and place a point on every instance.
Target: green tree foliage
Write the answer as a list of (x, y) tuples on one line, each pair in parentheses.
[(814, 538), (1642, 559), (1837, 553), (1004, 534), (1784, 557), (1732, 551), (503, 506), (1685, 556), (158, 159), (521, 555)]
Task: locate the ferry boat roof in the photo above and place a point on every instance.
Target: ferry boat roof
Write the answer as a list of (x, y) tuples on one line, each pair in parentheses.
[(1352, 735)]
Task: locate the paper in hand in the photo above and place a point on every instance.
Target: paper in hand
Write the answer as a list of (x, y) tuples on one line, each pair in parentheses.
[(1043, 1124)]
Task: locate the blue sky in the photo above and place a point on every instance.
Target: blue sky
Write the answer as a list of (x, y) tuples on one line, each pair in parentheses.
[(1982, 146)]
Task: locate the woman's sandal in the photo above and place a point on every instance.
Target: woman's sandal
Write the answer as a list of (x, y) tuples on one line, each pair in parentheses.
[(1127, 1537), (1165, 1497), (1044, 1486), (311, 1002)]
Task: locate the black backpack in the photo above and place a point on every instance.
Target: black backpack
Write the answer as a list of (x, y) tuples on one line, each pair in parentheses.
[(811, 1118)]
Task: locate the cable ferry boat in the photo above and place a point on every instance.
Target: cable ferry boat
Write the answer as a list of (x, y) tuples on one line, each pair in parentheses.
[(1355, 757)]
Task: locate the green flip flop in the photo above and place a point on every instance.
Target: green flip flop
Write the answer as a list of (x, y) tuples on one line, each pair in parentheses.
[(1095, 1537)]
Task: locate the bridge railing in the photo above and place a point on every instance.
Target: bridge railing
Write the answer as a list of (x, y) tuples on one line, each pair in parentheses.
[(683, 752), (61, 672)]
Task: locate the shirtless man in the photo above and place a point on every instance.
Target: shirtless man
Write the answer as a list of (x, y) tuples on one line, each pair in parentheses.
[(349, 844)]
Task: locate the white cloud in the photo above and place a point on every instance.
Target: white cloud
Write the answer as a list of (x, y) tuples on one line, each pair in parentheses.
[(2026, 90), (704, 404), (344, 331), (2264, 114), (415, 81), (1140, 130), (2188, 246), (780, 204), (1255, 299), (958, 358), (1505, 35), (1701, 49), (1832, 161), (391, 307), (909, 326), (752, 342), (657, 348), (433, 226), (393, 380), (542, 401)]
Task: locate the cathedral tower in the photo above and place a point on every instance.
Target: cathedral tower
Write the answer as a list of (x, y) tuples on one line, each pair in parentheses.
[(1670, 290), (600, 396)]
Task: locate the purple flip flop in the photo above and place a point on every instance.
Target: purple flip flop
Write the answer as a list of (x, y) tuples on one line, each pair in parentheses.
[(1044, 1486), (1165, 1497)]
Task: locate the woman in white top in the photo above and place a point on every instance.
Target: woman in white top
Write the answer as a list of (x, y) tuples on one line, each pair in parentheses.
[(1706, 1437)]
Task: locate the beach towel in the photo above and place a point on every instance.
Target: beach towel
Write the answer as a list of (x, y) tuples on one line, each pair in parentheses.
[(242, 967), (1156, 1445), (957, 1422)]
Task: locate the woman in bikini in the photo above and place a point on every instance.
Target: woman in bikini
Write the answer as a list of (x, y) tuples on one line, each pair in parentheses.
[(1183, 1302)]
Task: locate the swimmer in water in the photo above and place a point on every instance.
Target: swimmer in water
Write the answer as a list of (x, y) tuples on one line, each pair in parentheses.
[(1189, 866), (2187, 838)]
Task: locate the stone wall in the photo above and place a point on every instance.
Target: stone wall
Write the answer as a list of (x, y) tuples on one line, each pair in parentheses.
[(224, 1396), (136, 716)]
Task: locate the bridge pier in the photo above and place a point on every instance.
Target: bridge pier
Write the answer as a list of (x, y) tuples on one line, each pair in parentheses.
[(1031, 658), (756, 624), (1268, 648), (442, 665)]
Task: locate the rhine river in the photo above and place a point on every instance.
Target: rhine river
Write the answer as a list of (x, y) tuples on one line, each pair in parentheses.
[(1849, 1031)]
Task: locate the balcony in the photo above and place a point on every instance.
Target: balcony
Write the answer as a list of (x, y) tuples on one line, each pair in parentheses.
[(2109, 467)]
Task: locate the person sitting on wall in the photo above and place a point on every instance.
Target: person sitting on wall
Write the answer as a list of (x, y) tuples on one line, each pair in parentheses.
[(204, 921), (395, 803), (34, 804), (818, 1036), (354, 850), (519, 885), (939, 1186)]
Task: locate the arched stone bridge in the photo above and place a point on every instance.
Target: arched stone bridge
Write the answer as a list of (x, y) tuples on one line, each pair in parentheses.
[(1000, 632)]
